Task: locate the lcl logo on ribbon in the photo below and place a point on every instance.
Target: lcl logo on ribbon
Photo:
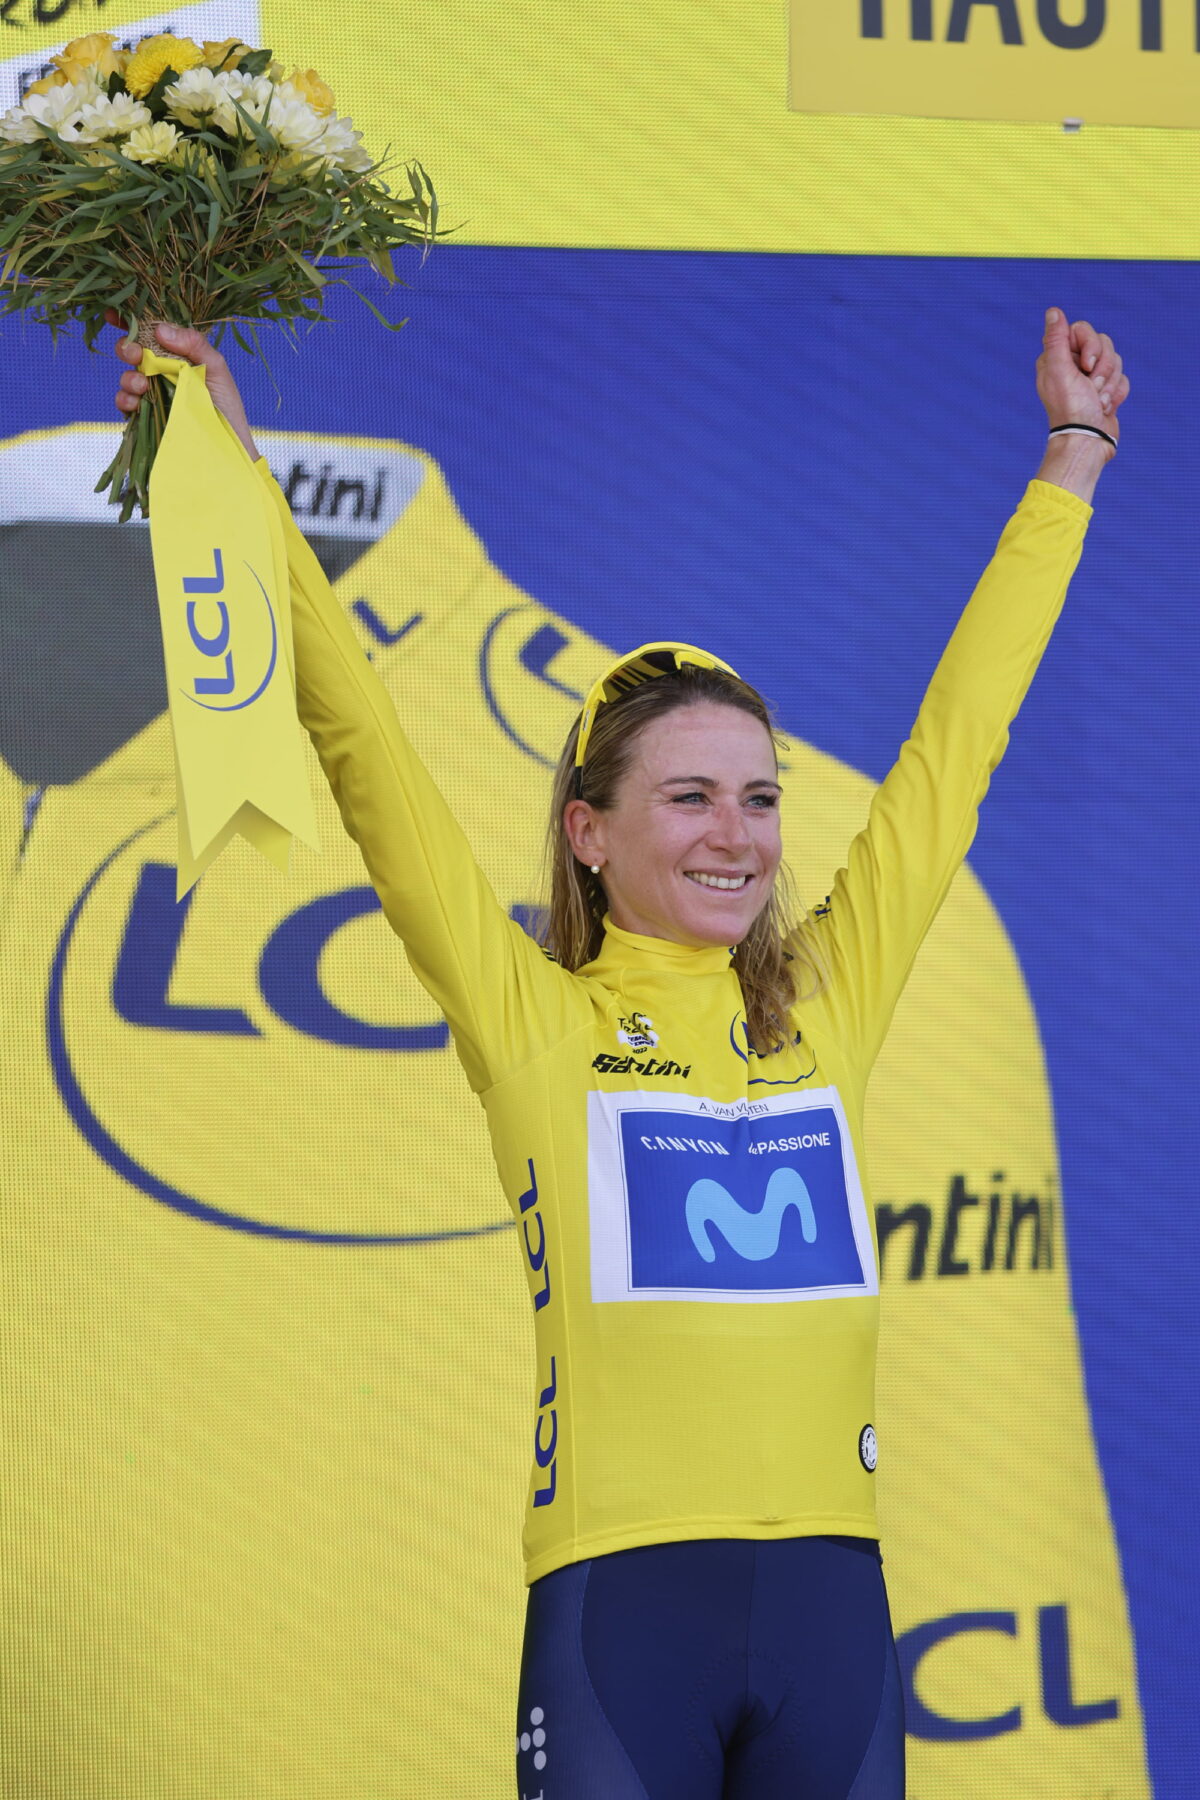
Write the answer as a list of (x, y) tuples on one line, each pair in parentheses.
[(216, 645)]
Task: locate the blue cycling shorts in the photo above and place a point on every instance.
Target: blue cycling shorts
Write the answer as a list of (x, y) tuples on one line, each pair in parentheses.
[(716, 1669)]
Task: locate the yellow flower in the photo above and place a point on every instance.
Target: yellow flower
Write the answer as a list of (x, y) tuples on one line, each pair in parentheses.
[(151, 143), (283, 171), (197, 159), (154, 56), (101, 159), (58, 79), (309, 86), (92, 52), (225, 55), (84, 75)]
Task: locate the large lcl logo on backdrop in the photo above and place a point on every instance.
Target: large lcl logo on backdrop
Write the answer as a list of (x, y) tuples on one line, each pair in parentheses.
[(1097, 62), (937, 1723), (134, 892)]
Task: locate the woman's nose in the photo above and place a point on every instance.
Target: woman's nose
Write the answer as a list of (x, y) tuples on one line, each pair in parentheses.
[(727, 828)]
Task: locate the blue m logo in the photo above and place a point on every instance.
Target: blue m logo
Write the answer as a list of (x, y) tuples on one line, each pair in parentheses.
[(752, 1235)]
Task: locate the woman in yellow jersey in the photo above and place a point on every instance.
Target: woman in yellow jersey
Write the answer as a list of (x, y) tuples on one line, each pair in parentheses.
[(675, 1100)]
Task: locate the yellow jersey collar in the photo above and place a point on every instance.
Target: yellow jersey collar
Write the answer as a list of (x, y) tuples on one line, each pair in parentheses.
[(627, 950)]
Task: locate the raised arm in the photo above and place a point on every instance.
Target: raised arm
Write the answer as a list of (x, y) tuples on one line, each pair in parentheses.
[(924, 814), (504, 1000)]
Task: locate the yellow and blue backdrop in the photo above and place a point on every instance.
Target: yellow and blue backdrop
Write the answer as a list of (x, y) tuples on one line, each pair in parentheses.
[(699, 365)]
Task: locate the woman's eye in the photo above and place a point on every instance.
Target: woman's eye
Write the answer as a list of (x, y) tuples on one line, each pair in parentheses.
[(760, 802)]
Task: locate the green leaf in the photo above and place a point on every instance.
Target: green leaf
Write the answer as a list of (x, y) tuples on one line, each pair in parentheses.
[(314, 275), (86, 231), (131, 198), (261, 136), (164, 210), (17, 259), (154, 98), (214, 225), (239, 339), (12, 228), (388, 324), (98, 278), (118, 299)]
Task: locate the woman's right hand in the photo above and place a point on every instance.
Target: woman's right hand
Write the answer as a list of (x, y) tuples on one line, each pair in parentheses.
[(189, 346)]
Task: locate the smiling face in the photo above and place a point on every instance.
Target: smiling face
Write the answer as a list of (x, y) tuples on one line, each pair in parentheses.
[(690, 847)]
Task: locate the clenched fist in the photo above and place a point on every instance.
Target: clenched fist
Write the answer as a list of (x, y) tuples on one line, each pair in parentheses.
[(1080, 377)]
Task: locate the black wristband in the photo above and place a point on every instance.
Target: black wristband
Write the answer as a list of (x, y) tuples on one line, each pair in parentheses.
[(1090, 430)]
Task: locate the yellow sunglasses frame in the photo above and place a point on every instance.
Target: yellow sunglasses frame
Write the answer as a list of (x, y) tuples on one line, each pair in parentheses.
[(632, 671)]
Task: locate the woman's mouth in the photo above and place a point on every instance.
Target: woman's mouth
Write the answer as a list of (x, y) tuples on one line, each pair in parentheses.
[(731, 883)]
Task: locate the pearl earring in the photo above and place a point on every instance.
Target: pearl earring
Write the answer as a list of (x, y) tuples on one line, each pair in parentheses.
[(595, 868)]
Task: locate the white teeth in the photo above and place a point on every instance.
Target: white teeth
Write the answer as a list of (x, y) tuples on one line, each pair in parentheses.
[(719, 881)]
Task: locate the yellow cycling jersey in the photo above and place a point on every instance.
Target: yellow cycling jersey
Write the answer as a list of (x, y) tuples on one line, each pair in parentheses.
[(694, 1217)]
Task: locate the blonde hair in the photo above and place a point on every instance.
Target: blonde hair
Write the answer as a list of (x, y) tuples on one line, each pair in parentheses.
[(775, 951)]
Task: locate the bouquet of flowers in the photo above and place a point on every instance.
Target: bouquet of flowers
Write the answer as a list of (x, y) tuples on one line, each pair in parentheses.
[(191, 183)]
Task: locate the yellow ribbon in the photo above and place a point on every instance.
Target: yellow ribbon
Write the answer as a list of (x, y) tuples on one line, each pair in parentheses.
[(220, 566)]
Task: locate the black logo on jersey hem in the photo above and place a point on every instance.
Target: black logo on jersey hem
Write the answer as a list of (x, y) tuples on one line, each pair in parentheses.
[(868, 1449), (605, 1064)]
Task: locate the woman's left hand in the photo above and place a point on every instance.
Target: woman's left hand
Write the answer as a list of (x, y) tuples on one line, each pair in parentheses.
[(1080, 378)]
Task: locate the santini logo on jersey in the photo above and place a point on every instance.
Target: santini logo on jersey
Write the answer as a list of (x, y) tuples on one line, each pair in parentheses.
[(683, 1208), (604, 1064)]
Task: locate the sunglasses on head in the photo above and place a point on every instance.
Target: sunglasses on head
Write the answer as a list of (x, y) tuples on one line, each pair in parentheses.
[(633, 671)]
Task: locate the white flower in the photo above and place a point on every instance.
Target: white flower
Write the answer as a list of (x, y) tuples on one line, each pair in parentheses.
[(105, 118), (19, 127), (260, 90), (58, 110), (292, 121), (152, 143), (90, 86), (194, 98), (342, 147), (252, 93)]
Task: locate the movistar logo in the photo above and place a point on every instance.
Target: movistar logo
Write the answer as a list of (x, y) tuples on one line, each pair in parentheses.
[(751, 1235)]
